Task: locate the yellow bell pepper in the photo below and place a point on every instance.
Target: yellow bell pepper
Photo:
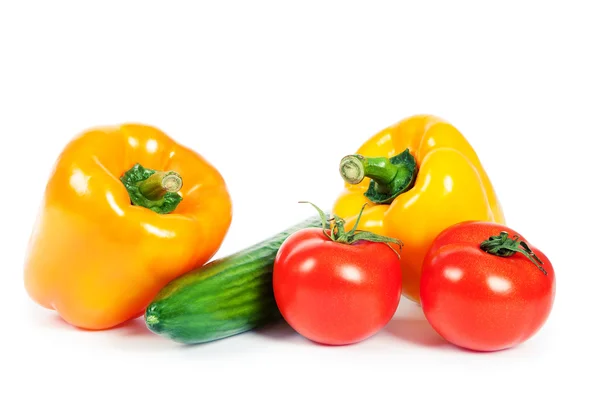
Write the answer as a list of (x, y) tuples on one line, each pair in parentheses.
[(416, 177)]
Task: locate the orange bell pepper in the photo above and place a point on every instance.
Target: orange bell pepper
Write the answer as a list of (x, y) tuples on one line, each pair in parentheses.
[(416, 177), (125, 211)]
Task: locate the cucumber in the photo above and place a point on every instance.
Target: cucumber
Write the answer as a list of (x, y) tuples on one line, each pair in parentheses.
[(225, 297)]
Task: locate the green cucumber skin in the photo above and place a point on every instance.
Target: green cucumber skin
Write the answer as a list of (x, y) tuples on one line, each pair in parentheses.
[(225, 297)]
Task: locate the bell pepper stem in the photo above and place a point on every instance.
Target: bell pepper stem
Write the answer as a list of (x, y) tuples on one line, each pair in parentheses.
[(154, 190), (354, 168), (389, 176), (160, 183)]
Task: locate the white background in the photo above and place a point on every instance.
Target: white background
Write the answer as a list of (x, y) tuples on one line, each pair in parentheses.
[(274, 95)]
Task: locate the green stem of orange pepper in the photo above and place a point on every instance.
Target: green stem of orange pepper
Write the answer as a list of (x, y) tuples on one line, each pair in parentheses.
[(154, 190), (159, 184)]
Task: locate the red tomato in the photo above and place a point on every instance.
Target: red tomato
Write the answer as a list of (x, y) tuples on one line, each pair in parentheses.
[(336, 293), (481, 301)]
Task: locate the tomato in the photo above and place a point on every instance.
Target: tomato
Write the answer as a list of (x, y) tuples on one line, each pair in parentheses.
[(339, 291), (486, 300)]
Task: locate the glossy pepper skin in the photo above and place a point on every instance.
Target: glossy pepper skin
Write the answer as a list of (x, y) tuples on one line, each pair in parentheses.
[(449, 185), (96, 258)]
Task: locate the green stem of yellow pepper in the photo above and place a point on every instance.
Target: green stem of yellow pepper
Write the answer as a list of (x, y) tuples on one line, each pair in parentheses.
[(389, 176)]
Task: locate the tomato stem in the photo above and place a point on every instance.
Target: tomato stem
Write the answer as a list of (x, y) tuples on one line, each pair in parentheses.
[(504, 246), (389, 176), (336, 231)]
